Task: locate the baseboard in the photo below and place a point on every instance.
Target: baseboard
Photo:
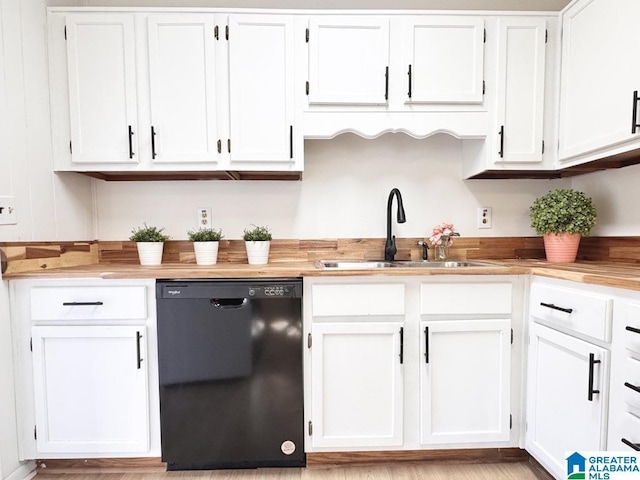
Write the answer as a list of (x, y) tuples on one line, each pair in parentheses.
[(540, 471), (25, 471), (473, 455), (102, 465)]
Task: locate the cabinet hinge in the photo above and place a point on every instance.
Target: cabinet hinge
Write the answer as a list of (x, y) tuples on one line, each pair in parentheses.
[(510, 421), (485, 36), (309, 341), (543, 147), (484, 87), (35, 432), (226, 32), (306, 36), (229, 145), (310, 428), (65, 32), (70, 147), (215, 32), (546, 36), (512, 336), (307, 87)]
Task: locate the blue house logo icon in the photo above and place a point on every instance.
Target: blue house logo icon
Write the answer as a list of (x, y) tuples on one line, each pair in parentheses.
[(576, 466)]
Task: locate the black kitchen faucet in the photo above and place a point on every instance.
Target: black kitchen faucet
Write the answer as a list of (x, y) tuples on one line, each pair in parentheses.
[(390, 245)]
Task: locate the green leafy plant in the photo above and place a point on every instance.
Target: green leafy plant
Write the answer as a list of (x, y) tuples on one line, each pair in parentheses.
[(205, 235), (563, 211), (148, 234), (257, 234)]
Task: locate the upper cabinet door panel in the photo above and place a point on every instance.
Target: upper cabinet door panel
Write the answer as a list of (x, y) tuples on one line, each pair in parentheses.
[(261, 88), (348, 60), (520, 103), (444, 56), (102, 87), (183, 87)]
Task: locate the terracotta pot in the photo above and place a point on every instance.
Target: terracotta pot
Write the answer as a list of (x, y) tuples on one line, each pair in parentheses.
[(561, 248)]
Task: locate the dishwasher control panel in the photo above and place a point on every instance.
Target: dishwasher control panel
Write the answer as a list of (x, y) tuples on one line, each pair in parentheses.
[(265, 291)]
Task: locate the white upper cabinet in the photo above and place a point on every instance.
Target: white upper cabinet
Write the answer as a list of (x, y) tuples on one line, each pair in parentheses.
[(348, 60), (102, 88), (520, 100), (444, 59), (261, 90), (182, 81), (598, 110)]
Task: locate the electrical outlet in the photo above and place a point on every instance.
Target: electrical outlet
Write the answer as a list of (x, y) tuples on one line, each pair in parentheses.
[(204, 217), (484, 217), (8, 211)]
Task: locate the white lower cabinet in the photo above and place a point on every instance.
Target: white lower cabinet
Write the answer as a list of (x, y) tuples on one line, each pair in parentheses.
[(86, 370), (357, 374), (90, 387), (464, 381), (405, 364)]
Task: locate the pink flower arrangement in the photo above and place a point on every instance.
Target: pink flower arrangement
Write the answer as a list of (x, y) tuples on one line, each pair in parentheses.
[(442, 234)]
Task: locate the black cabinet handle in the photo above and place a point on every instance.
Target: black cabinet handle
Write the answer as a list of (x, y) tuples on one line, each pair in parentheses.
[(426, 344), (153, 142), (632, 387), (131, 132), (81, 304), (138, 337), (219, 146), (291, 141), (592, 363), (634, 120), (401, 345), (409, 81), (386, 83), (632, 329), (555, 307), (501, 133), (635, 446)]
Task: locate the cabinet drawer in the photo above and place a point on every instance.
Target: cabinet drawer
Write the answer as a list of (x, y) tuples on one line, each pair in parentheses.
[(631, 377), (89, 303), (584, 312), (629, 430), (632, 329), (465, 298), (358, 299)]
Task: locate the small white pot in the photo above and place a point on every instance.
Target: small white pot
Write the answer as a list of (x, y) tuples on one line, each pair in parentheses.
[(206, 252), (150, 253), (258, 252)]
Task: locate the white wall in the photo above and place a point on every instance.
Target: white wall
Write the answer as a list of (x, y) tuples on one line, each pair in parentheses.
[(48, 206), (343, 193)]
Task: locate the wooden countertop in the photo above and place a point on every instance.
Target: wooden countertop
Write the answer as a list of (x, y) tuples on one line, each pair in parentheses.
[(595, 273)]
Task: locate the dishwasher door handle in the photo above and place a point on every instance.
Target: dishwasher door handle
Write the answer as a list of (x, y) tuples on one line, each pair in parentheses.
[(229, 303)]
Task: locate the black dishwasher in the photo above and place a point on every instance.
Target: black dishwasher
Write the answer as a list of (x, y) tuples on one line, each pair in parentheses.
[(230, 366)]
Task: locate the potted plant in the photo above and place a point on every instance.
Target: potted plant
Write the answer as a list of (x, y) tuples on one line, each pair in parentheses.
[(257, 241), (205, 244), (562, 217), (150, 243)]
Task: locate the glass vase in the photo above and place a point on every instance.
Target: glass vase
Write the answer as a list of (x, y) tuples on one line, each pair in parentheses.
[(440, 252)]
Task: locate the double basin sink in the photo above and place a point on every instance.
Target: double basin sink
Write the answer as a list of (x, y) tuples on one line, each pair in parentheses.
[(380, 264)]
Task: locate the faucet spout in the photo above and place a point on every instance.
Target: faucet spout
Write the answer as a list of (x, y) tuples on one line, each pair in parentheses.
[(390, 244)]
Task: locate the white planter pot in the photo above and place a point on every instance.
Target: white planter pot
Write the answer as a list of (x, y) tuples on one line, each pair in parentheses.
[(150, 253), (206, 252), (258, 252)]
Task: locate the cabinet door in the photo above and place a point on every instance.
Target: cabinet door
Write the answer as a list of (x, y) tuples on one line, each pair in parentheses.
[(562, 415), (444, 59), (356, 373), (183, 88), (598, 78), (464, 381), (348, 60), (520, 101), (261, 89), (90, 387), (102, 87)]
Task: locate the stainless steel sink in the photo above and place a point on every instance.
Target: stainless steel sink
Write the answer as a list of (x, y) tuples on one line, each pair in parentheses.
[(377, 264)]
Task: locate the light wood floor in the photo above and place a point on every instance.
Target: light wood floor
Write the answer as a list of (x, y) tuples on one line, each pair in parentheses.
[(396, 471)]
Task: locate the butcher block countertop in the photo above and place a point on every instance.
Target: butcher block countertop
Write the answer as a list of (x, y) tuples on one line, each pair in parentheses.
[(596, 273)]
